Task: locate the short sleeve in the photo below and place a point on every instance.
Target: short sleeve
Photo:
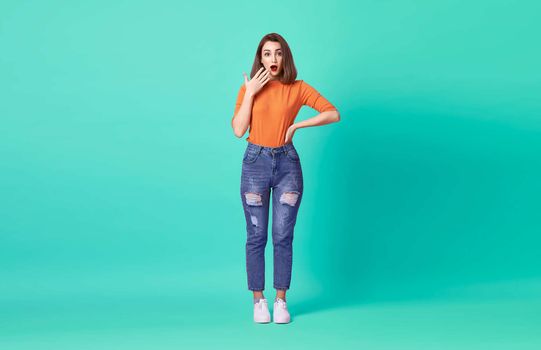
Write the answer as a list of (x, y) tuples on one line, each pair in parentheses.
[(240, 97), (311, 97)]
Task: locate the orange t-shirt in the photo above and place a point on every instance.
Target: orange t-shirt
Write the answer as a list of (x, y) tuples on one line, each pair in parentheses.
[(275, 108)]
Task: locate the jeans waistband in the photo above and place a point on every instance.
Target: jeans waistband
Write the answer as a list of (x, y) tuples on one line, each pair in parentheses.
[(283, 148)]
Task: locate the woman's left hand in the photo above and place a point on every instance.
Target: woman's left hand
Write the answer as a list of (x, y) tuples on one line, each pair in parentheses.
[(289, 134)]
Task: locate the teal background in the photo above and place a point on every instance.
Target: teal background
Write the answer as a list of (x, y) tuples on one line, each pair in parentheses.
[(121, 221)]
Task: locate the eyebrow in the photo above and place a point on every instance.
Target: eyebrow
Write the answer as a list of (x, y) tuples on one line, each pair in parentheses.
[(276, 50)]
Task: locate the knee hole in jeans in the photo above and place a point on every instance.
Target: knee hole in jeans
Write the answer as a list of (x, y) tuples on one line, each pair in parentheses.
[(253, 199), (290, 198)]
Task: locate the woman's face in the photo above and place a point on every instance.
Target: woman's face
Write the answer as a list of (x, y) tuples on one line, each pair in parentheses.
[(271, 58)]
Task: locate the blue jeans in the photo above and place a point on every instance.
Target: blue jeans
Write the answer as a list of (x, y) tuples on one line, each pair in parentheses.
[(263, 169)]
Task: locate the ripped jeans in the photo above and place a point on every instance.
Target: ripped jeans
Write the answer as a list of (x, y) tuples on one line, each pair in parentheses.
[(263, 169)]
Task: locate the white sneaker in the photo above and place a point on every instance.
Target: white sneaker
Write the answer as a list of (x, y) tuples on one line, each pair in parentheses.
[(280, 313), (261, 311)]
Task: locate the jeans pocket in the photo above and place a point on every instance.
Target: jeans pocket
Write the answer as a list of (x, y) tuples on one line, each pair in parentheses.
[(250, 156), (292, 155)]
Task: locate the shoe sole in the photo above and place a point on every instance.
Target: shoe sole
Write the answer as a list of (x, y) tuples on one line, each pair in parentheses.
[(262, 321), (281, 322)]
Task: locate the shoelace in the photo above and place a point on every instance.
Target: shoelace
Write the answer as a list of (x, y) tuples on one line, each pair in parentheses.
[(260, 304), (282, 304)]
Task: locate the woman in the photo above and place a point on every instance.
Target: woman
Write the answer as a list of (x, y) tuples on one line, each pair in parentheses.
[(268, 103)]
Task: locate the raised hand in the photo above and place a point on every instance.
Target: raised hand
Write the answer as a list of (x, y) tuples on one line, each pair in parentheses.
[(258, 81)]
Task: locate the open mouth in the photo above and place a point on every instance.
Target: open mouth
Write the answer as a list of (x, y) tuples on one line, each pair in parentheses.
[(274, 68)]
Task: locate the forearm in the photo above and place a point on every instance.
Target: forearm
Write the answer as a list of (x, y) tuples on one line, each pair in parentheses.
[(320, 119), (241, 121)]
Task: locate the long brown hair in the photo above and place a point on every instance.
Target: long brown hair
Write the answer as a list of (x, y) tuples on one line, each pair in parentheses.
[(289, 72)]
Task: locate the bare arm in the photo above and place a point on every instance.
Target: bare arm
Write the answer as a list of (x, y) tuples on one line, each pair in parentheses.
[(241, 121), (322, 118)]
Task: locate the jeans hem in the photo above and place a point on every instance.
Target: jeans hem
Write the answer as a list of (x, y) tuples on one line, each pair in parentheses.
[(281, 288)]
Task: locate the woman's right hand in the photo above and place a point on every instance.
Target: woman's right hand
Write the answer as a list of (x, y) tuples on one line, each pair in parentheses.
[(259, 80)]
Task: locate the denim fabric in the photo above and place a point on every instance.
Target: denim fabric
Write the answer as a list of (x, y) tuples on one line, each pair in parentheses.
[(263, 169)]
